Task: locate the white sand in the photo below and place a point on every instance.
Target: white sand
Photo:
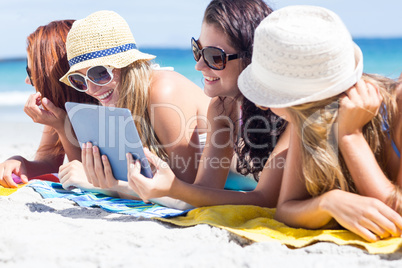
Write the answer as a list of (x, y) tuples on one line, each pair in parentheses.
[(36, 232)]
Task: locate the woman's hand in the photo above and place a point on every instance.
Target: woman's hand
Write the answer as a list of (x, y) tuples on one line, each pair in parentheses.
[(97, 168), (48, 115), (72, 175), (358, 106), (160, 185), (365, 216), (9, 167)]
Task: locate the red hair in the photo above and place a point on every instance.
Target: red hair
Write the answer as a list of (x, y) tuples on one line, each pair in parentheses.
[(46, 51)]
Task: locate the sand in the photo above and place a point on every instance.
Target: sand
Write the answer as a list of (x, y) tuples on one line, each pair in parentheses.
[(37, 232)]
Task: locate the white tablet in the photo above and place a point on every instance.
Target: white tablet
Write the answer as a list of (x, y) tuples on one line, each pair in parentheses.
[(113, 131)]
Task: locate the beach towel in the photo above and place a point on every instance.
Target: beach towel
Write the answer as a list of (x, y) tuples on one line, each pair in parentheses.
[(7, 191), (82, 198), (258, 224)]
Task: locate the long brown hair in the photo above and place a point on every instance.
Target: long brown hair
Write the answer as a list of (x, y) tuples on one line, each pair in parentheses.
[(46, 51), (238, 20)]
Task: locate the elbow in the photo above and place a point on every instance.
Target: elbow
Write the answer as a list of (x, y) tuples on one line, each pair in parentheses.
[(280, 214), (394, 199), (267, 201), (295, 216)]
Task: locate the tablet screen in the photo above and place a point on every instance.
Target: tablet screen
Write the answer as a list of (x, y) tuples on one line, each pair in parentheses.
[(113, 131)]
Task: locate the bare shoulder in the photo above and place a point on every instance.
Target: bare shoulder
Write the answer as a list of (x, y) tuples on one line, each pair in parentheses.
[(170, 86)]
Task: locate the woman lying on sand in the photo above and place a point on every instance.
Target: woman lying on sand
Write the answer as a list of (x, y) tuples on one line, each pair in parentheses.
[(343, 161), (46, 63), (237, 123), (124, 79), (106, 64)]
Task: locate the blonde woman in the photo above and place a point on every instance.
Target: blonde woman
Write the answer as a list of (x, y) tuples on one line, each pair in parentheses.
[(169, 110), (342, 164)]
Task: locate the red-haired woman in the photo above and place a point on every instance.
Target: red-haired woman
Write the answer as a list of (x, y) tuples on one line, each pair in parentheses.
[(46, 63)]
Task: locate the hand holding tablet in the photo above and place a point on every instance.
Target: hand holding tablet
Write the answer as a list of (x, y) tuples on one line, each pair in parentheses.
[(113, 131)]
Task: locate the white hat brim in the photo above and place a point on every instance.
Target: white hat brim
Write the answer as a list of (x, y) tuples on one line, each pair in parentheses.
[(261, 94)]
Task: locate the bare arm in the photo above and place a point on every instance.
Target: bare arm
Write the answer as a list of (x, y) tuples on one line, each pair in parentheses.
[(178, 110), (358, 106), (367, 175), (54, 118), (265, 194), (365, 216), (56, 126), (213, 168), (42, 164), (295, 205), (72, 175), (218, 152)]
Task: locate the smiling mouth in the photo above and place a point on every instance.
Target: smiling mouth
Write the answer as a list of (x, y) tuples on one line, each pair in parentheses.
[(107, 94), (211, 79)]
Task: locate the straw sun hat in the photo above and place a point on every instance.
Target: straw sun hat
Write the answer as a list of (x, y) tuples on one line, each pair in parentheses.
[(301, 54), (102, 38)]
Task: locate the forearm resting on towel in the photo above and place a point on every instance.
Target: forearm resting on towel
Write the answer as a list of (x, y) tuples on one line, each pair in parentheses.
[(122, 190)]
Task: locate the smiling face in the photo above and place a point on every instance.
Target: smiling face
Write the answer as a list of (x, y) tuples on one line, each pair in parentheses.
[(107, 95), (222, 83)]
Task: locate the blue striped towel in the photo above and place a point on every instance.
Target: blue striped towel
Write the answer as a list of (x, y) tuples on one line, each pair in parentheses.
[(136, 208)]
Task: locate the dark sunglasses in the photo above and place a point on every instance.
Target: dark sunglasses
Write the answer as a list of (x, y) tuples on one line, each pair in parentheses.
[(29, 75), (214, 57), (99, 75)]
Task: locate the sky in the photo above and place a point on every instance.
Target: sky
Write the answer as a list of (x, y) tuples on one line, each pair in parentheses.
[(171, 23)]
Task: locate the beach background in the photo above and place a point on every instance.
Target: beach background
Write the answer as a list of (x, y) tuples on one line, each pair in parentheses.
[(40, 232)]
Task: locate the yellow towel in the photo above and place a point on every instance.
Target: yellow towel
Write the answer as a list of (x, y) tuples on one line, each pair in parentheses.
[(258, 224), (7, 191)]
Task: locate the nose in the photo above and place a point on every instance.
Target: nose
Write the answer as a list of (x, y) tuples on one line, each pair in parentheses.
[(27, 81), (200, 65), (92, 88)]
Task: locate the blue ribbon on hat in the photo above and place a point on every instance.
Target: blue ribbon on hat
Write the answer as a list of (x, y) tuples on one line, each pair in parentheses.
[(101, 53)]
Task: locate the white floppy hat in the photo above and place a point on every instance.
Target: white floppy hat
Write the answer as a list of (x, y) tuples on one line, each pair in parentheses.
[(102, 38), (301, 54)]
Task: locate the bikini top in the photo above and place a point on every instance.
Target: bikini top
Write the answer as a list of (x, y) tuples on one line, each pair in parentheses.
[(202, 139), (385, 128)]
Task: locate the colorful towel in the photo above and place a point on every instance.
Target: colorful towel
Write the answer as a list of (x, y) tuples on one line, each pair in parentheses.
[(258, 224), (7, 191), (117, 205)]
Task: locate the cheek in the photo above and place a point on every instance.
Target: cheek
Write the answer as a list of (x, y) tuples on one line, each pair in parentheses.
[(278, 111), (229, 78), (232, 72), (116, 77), (282, 113), (116, 82)]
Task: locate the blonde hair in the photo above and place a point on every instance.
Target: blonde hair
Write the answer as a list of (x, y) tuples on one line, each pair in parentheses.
[(134, 95), (324, 168)]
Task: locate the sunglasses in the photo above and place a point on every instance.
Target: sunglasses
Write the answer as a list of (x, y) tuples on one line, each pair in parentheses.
[(29, 75), (214, 57), (99, 75)]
